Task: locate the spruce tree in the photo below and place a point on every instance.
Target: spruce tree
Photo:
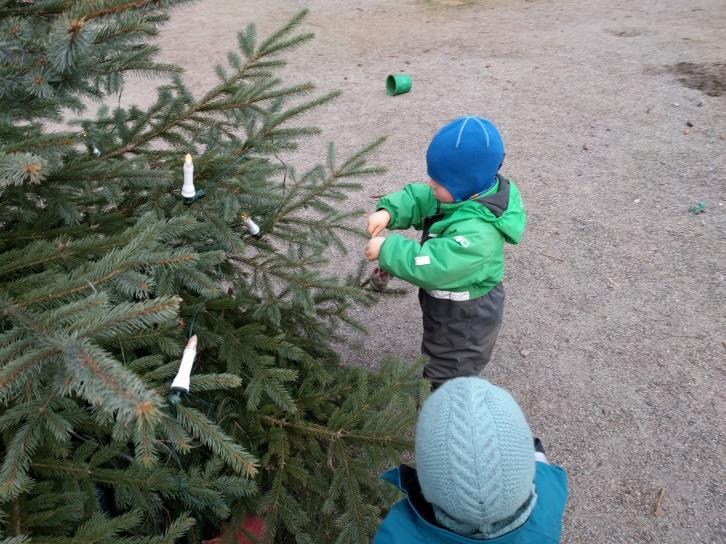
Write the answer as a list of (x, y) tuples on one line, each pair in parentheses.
[(106, 270)]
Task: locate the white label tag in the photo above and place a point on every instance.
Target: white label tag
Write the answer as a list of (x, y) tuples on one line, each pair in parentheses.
[(463, 242), (422, 259)]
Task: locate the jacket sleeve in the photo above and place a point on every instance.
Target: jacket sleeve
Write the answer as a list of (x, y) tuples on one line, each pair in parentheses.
[(408, 206), (445, 262)]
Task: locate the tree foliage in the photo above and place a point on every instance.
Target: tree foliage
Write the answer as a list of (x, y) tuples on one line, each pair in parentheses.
[(105, 271)]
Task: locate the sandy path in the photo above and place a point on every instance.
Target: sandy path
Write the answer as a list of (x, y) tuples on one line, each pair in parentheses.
[(615, 321)]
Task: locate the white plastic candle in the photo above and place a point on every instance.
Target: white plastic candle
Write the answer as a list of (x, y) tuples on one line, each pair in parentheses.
[(188, 190), (185, 368), (251, 225)]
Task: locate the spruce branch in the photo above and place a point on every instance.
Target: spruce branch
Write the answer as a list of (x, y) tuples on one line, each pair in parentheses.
[(134, 477), (353, 166), (273, 41), (331, 435), (120, 8), (56, 7), (101, 526), (103, 382), (197, 424), (16, 539), (92, 281), (17, 373), (128, 318), (59, 141), (13, 472)]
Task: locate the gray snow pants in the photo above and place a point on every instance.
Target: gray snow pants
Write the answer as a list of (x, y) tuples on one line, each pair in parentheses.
[(459, 336)]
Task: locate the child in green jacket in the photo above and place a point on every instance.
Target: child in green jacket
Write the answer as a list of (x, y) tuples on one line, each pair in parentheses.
[(466, 212)]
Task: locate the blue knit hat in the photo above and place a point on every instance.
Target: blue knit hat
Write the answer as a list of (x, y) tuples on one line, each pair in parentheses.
[(475, 458), (465, 156)]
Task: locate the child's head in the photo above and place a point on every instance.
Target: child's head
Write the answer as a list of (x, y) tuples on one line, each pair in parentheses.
[(465, 156), (475, 458)]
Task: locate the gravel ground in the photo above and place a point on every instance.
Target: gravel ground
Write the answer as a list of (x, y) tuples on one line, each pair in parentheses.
[(614, 117)]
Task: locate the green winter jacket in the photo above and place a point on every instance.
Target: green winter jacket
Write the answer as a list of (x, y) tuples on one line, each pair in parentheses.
[(464, 257)]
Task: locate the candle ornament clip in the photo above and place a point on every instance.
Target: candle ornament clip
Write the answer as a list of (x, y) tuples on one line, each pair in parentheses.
[(252, 227), (180, 386), (189, 192)]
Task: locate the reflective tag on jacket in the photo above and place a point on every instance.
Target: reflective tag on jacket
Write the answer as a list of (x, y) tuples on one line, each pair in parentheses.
[(463, 242)]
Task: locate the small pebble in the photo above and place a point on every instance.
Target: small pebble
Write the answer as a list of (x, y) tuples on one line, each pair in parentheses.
[(524, 352), (689, 124), (676, 104), (686, 131), (636, 201), (585, 147), (700, 104)]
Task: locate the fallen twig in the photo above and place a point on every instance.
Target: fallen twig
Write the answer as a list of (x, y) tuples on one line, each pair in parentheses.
[(554, 257), (612, 282), (659, 501)]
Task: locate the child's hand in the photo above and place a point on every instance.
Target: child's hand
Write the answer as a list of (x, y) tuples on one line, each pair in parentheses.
[(373, 247), (378, 221)]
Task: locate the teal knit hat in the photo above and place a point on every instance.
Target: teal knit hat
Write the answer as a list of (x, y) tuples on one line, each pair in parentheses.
[(475, 458)]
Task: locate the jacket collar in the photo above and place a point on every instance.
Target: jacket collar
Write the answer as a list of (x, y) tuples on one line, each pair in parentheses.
[(404, 478), (498, 202), (543, 525), (408, 483)]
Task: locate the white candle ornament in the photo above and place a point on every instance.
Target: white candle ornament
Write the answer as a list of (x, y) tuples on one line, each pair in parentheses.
[(252, 227), (188, 190), (185, 368)]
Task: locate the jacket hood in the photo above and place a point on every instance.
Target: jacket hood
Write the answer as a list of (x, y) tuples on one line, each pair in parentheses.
[(503, 209)]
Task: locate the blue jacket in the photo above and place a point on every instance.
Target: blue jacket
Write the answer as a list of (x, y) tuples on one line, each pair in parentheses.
[(411, 521)]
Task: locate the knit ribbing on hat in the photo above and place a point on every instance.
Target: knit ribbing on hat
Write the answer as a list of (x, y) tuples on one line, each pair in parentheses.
[(492, 530), (465, 156), (475, 458)]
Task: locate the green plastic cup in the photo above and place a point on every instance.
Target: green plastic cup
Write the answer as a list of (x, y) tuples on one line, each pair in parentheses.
[(398, 84)]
